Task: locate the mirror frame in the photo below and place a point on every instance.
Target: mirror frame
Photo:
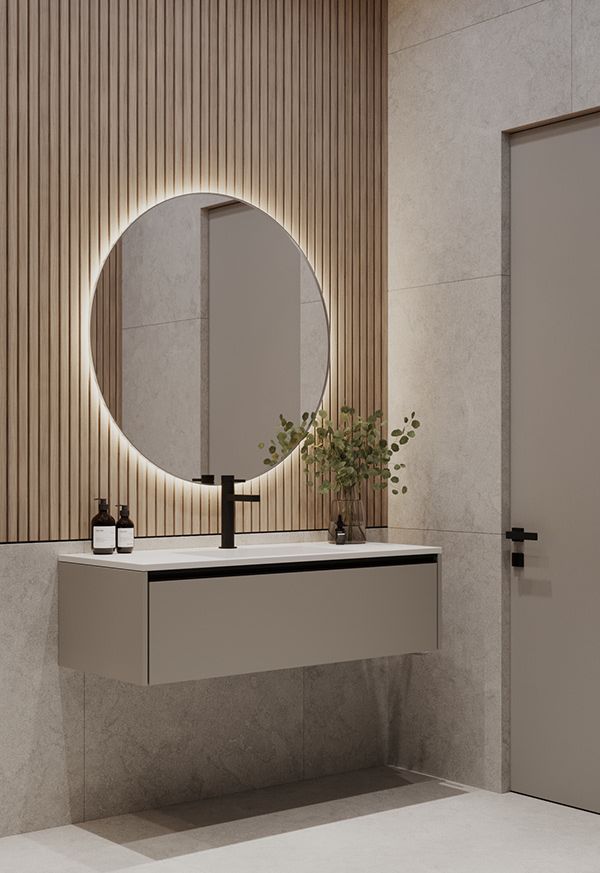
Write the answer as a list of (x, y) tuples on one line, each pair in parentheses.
[(94, 288)]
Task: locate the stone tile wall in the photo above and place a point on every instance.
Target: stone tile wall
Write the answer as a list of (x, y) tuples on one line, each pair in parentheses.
[(75, 747), (460, 73)]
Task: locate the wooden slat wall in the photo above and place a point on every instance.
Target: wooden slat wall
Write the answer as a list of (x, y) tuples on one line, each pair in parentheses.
[(107, 107), (106, 331)]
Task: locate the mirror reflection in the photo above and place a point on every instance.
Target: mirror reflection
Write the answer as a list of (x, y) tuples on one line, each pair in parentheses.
[(207, 324)]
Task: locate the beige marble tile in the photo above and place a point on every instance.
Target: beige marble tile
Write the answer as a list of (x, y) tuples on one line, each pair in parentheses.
[(162, 392), (70, 849), (448, 709), (449, 100), (445, 363), (474, 832), (148, 747), (586, 54), (314, 355), (345, 713), (41, 725), (310, 292), (418, 828), (161, 264), (171, 865), (411, 22), (178, 831)]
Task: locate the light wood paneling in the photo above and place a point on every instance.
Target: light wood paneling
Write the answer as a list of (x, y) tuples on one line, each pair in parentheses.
[(108, 106), (106, 330)]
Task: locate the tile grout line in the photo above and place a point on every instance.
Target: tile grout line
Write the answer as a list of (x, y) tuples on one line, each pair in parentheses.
[(571, 58), (302, 722), (84, 747), (466, 27), (448, 282), (388, 743), (163, 323), (485, 533)]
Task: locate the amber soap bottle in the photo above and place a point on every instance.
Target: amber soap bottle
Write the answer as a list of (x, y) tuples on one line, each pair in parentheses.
[(103, 530), (125, 531)]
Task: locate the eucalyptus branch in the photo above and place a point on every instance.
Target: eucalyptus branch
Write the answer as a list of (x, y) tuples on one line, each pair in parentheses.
[(342, 458)]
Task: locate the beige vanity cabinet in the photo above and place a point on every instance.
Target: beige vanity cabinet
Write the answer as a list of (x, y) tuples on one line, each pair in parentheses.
[(152, 626)]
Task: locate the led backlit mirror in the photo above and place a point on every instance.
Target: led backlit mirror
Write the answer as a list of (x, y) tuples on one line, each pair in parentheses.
[(207, 325)]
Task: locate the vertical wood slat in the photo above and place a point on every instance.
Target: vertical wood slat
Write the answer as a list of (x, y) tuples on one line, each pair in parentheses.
[(22, 266), (108, 106), (43, 398), (381, 42), (3, 268), (12, 435), (54, 343), (32, 342)]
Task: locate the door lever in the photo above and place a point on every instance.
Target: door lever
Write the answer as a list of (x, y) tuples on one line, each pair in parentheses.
[(519, 535)]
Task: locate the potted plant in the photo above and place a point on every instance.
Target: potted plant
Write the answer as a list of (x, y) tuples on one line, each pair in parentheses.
[(341, 459)]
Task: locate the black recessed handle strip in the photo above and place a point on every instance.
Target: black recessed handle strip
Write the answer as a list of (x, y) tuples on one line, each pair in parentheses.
[(288, 567)]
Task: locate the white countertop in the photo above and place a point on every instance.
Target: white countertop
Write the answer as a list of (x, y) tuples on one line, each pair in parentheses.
[(277, 553)]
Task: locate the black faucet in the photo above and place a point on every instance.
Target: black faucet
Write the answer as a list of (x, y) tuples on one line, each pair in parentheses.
[(228, 500)]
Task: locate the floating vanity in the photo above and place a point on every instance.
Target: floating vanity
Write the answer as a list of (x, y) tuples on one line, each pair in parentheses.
[(162, 616)]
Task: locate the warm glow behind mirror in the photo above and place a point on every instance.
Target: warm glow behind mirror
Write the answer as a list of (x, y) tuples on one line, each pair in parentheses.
[(207, 324)]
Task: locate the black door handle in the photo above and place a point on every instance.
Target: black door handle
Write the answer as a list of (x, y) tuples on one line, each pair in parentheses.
[(519, 535)]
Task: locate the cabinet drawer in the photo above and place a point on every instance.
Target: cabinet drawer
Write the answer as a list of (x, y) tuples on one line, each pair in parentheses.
[(200, 628)]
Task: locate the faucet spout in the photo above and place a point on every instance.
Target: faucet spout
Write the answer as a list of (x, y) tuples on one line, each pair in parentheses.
[(228, 500)]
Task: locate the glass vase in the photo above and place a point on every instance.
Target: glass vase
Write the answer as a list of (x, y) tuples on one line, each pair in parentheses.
[(349, 505)]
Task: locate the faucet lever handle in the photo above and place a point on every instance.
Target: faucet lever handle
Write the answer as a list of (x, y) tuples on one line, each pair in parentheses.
[(205, 479)]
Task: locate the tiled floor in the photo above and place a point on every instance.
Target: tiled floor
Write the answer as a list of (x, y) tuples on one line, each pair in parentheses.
[(372, 821)]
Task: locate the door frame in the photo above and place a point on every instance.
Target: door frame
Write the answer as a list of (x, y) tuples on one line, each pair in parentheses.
[(506, 136)]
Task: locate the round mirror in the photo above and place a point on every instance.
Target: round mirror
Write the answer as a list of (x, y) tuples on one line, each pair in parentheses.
[(207, 325)]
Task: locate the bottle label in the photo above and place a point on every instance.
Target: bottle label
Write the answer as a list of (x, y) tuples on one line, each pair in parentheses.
[(125, 537), (103, 537)]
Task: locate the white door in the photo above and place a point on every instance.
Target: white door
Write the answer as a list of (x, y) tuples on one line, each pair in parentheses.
[(555, 461)]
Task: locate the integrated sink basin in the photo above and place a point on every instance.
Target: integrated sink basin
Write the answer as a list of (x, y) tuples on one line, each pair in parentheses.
[(170, 615), (164, 559)]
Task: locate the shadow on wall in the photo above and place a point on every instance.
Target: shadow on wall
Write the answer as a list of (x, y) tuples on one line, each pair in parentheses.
[(41, 727), (223, 821), (58, 708)]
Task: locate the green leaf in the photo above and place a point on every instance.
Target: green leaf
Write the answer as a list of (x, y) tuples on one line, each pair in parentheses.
[(340, 455)]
